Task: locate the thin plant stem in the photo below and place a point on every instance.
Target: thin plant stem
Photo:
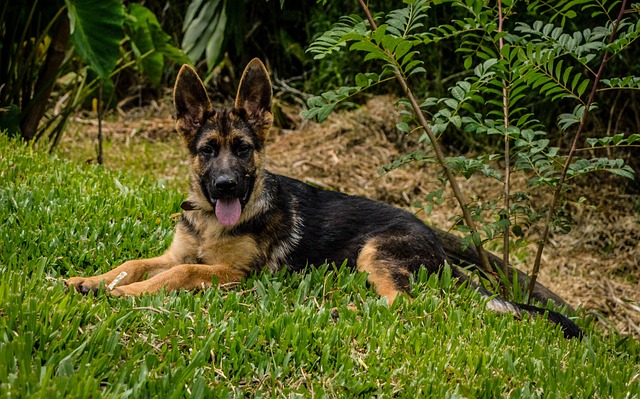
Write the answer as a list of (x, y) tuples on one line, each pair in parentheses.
[(507, 156), (457, 192), (574, 147), (99, 109)]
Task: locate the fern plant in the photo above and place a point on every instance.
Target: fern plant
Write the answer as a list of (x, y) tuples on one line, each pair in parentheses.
[(509, 69)]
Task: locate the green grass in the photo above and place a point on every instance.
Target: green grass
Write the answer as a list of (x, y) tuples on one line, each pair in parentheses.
[(163, 161), (275, 335)]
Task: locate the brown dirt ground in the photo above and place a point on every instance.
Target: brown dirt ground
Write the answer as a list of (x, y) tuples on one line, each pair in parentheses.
[(594, 266)]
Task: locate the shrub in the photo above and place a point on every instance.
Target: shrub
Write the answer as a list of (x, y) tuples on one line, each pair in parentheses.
[(511, 67)]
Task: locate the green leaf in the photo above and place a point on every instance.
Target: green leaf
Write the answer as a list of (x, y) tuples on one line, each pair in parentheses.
[(96, 32), (451, 103), (361, 80), (626, 171), (151, 61), (150, 44), (627, 81), (373, 51), (349, 28), (216, 41), (204, 28), (321, 106), (468, 61), (458, 93), (403, 48), (403, 127), (582, 87), (417, 70), (379, 33)]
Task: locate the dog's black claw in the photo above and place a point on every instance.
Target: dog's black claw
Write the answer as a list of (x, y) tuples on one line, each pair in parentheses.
[(84, 290), (80, 288)]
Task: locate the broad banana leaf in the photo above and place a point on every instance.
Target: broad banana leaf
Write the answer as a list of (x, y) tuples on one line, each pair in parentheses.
[(96, 32)]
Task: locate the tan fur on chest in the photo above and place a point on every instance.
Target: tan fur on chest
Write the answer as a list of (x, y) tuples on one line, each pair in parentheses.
[(211, 244), (239, 252)]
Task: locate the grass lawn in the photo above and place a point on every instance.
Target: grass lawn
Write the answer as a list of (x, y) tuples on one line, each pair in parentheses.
[(271, 336)]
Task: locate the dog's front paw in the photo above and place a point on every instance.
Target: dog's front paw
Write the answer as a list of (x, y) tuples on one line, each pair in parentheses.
[(83, 285), (127, 290), (120, 292)]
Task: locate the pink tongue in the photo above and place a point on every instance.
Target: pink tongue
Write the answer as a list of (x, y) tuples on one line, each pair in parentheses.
[(228, 211)]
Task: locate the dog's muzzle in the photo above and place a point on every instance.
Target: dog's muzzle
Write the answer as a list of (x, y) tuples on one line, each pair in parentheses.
[(229, 198)]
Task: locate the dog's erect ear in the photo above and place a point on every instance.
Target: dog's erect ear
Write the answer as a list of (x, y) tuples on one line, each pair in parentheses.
[(191, 102), (254, 96)]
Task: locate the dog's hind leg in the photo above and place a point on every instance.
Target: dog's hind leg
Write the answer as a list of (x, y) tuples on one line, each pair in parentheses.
[(389, 276), (390, 259), (381, 275)]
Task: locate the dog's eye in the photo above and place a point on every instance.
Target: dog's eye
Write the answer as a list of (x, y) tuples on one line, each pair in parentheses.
[(207, 150), (244, 150)]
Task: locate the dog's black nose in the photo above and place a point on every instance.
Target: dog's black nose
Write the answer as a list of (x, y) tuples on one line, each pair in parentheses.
[(225, 183)]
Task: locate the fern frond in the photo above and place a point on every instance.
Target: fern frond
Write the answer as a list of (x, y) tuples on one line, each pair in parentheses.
[(557, 9), (582, 46), (335, 38), (537, 156), (517, 91), (450, 31), (542, 69), (616, 166), (626, 82), (321, 106), (402, 22), (617, 140), (601, 7), (566, 120), (450, 110), (628, 33)]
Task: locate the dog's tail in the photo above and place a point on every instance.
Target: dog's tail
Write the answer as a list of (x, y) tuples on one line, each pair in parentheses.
[(460, 254), (501, 305), (466, 256)]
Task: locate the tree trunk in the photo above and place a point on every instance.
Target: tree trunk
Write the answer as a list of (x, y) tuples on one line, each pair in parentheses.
[(37, 105)]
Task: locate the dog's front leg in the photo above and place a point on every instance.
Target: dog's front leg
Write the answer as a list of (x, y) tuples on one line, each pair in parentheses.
[(186, 276), (127, 273)]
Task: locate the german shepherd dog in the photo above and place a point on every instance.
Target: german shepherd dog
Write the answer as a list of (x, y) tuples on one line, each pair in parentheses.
[(240, 218)]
